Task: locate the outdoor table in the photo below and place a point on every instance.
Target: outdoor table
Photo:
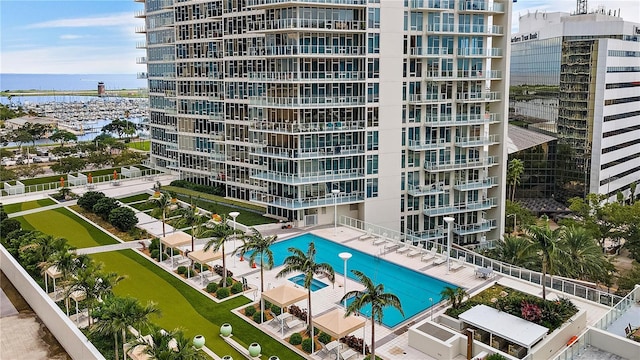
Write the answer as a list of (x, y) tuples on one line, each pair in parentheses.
[(484, 272)]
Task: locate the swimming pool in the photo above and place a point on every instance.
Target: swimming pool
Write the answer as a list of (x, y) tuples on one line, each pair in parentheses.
[(315, 283), (413, 288)]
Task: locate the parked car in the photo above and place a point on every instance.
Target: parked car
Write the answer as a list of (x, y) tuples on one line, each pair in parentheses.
[(8, 162), (53, 158), (40, 159), (25, 161)]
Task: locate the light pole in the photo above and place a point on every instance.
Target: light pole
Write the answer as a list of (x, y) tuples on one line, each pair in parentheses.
[(448, 220), (345, 256), (335, 193), (515, 217), (234, 215), (431, 308)]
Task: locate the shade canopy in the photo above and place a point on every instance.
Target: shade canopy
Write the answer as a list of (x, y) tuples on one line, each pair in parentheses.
[(285, 295), (53, 272), (203, 257), (511, 328), (337, 325), (176, 239)]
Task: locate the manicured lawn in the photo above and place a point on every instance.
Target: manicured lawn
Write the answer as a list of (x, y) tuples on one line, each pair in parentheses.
[(12, 208), (140, 145), (63, 223), (214, 198), (181, 305), (134, 198), (246, 217)]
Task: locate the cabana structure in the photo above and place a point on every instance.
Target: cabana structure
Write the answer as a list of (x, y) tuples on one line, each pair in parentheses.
[(54, 273), (203, 257), (177, 239), (337, 325), (283, 296), (506, 332)]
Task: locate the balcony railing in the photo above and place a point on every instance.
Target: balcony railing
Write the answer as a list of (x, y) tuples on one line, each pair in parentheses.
[(295, 23), (476, 184), (471, 97), (423, 145), (472, 141), (306, 202), (308, 101), (291, 50), (143, 75), (325, 2), (430, 51), (310, 177), (470, 119), (460, 164), (419, 99), (475, 75), (432, 4), (423, 190), (422, 238), (295, 76), (305, 153), (475, 5), (469, 229), (294, 128), (460, 208), (492, 52)]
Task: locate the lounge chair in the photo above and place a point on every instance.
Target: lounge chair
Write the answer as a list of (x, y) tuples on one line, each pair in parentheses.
[(439, 260), (344, 355), (329, 349), (458, 264), (429, 254), (403, 249), (367, 236), (292, 323), (380, 241), (415, 252)]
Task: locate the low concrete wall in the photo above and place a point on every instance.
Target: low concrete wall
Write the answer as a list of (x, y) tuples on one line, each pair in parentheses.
[(64, 330), (625, 348), (433, 346), (450, 322), (558, 339)]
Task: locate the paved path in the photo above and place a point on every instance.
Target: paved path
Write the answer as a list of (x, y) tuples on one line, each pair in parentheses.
[(112, 247), (43, 208)]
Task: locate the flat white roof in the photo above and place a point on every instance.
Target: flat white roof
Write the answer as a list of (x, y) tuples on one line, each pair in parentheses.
[(507, 326)]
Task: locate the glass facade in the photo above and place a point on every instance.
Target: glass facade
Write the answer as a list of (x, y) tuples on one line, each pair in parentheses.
[(536, 62)]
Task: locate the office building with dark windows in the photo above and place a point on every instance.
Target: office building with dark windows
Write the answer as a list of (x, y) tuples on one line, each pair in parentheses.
[(390, 112), (577, 77)]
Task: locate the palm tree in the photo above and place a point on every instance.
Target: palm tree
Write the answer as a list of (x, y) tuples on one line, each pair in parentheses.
[(116, 314), (163, 204), (584, 256), (192, 218), (546, 242), (375, 296), (221, 233), (306, 263), (258, 245), (514, 172), (454, 295), (170, 345), (94, 283), (516, 251)]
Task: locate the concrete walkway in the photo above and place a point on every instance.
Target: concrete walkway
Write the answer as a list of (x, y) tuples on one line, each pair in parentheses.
[(44, 208), (112, 247)]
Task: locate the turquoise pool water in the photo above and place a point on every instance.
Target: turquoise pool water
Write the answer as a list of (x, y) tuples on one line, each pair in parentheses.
[(315, 283), (413, 288)]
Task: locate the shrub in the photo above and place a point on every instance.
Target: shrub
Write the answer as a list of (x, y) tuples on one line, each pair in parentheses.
[(236, 287), (229, 282), (276, 309), (495, 356), (257, 317), (267, 304), (324, 338), (222, 293), (155, 244), (89, 199), (219, 270), (295, 339), (104, 206), (297, 312), (182, 270), (249, 310), (214, 190), (124, 219), (155, 254), (212, 287), (8, 226), (306, 345)]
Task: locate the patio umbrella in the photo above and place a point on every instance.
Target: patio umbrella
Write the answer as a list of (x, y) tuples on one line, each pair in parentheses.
[(284, 295), (90, 178), (337, 325), (61, 181), (115, 175), (176, 239)]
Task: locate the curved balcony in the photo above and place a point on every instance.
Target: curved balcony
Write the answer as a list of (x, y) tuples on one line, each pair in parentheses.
[(309, 76), (310, 177), (460, 164), (476, 184), (473, 141), (460, 208), (309, 50), (278, 3), (424, 145), (306, 202), (461, 120), (294, 24), (295, 128), (307, 102), (424, 190)]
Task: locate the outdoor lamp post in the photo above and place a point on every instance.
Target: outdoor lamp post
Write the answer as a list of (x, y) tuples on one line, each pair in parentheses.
[(335, 193), (448, 220), (345, 256), (431, 308), (234, 215)]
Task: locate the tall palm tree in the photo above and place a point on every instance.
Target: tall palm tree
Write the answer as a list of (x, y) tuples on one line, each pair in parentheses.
[(454, 295), (162, 203), (375, 296), (220, 234), (516, 251), (546, 241), (584, 256), (515, 168), (170, 345), (192, 218), (95, 284), (116, 314), (258, 246), (305, 263)]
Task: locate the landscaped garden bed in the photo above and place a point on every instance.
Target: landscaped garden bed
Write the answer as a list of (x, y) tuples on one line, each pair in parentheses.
[(547, 313)]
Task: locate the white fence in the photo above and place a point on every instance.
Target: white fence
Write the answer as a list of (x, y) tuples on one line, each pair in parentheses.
[(130, 172), (63, 329), (16, 189), (81, 179)]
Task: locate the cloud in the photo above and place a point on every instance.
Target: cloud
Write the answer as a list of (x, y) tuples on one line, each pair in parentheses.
[(71, 37), (111, 20)]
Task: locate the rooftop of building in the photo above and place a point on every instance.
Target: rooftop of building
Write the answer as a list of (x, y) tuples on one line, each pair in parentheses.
[(519, 138)]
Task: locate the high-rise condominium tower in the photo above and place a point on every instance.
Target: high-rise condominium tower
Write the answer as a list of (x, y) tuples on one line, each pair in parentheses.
[(391, 112)]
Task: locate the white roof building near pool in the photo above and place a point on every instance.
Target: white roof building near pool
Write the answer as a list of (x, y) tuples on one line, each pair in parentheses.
[(507, 326)]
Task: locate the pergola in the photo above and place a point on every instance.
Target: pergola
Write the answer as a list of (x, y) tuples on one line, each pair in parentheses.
[(283, 296), (203, 257), (178, 238), (337, 325), (54, 273)]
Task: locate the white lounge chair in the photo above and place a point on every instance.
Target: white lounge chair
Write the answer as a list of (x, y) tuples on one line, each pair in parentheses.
[(458, 263), (403, 249), (380, 241), (415, 252), (439, 260), (292, 323), (367, 236), (344, 355), (429, 254)]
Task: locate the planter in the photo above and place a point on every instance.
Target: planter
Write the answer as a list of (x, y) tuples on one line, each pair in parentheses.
[(156, 194), (227, 357), (226, 329), (254, 349), (274, 358), (198, 341)]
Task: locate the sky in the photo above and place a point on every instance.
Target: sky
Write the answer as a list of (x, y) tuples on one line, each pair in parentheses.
[(98, 36)]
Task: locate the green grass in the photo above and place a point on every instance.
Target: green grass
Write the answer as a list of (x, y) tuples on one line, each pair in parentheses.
[(247, 217), (63, 223), (28, 205), (219, 199), (140, 145), (54, 178), (134, 198), (181, 305)]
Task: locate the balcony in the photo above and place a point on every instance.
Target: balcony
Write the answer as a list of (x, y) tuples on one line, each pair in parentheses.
[(424, 190), (294, 24), (430, 51), (140, 14), (484, 226), (481, 6), (420, 99), (473, 141), (474, 97), (143, 75), (475, 52), (486, 30), (476, 184), (295, 128), (310, 177), (141, 60), (432, 4), (309, 50), (463, 75), (308, 153), (309, 76), (460, 164), (141, 45), (423, 145), (432, 235), (461, 120), (270, 3), (306, 202), (140, 30), (460, 208), (307, 102)]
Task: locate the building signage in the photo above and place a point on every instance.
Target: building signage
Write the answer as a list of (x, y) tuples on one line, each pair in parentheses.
[(523, 37), (636, 30)]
